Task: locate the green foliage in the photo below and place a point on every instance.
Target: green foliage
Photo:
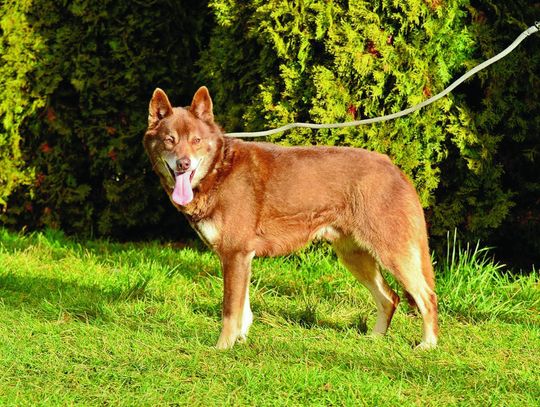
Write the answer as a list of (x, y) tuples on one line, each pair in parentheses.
[(75, 82), (17, 48), (75, 79), (332, 61), (471, 284)]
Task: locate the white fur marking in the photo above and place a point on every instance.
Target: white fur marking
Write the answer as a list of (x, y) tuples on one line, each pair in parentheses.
[(200, 172), (326, 233), (170, 158), (381, 299), (247, 315), (208, 231), (416, 280), (420, 291)]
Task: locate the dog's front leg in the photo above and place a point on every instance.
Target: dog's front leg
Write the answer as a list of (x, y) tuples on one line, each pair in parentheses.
[(237, 316)]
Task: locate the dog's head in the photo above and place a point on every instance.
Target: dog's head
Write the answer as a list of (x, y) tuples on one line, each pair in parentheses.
[(182, 142)]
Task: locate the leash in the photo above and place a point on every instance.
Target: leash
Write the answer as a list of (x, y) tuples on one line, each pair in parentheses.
[(500, 55)]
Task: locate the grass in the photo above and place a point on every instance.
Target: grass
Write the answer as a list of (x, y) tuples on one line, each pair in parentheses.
[(135, 324)]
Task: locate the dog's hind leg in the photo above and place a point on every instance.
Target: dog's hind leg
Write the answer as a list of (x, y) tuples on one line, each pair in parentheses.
[(413, 269), (237, 316), (366, 270)]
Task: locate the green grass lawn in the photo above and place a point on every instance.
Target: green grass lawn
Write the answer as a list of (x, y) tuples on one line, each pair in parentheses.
[(135, 324)]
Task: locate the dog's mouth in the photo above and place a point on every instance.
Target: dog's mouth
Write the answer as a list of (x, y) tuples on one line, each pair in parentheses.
[(191, 174), (174, 174), (183, 192)]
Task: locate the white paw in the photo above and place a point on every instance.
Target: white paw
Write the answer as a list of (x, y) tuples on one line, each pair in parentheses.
[(427, 345), (225, 343), (227, 338)]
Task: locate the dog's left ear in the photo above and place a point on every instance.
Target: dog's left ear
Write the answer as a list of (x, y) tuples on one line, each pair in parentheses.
[(201, 106)]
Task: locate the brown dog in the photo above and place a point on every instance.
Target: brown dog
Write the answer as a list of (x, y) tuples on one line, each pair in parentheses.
[(249, 199)]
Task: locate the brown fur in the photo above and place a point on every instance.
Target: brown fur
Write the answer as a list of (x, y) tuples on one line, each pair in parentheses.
[(259, 199)]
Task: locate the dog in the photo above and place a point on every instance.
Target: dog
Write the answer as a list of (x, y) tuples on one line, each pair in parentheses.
[(249, 199)]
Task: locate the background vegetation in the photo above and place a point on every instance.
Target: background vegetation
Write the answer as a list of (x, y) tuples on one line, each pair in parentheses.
[(335, 61), (75, 80), (76, 77)]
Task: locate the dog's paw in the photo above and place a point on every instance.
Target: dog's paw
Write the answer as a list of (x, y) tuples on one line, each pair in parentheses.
[(247, 321), (242, 338), (224, 344), (226, 341), (426, 345)]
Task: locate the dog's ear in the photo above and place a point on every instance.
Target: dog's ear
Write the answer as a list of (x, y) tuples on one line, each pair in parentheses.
[(159, 108), (201, 106)]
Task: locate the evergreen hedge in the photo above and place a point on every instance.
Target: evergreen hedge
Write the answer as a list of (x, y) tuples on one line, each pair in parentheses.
[(332, 61), (76, 77), (75, 82)]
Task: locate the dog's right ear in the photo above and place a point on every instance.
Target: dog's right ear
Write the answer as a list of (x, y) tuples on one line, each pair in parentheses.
[(159, 108), (202, 105)]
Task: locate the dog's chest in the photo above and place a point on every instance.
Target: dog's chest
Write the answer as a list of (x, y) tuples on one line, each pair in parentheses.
[(208, 231)]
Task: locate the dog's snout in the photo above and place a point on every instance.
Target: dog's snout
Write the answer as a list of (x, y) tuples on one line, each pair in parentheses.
[(182, 164)]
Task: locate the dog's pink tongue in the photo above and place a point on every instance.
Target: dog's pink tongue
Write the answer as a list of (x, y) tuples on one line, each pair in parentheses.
[(182, 194)]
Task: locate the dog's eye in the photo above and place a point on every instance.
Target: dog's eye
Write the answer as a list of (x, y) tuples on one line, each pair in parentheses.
[(169, 140), (196, 140)]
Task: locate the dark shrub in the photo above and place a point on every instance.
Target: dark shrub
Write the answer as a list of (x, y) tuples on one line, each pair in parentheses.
[(75, 84)]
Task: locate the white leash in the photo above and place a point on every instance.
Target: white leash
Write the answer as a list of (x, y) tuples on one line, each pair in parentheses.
[(432, 99)]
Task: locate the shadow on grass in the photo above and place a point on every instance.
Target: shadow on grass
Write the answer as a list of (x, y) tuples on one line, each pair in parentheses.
[(13, 241), (54, 298), (309, 318), (62, 296)]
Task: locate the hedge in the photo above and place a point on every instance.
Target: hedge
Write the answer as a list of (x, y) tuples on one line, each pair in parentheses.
[(76, 77), (330, 61), (75, 83)]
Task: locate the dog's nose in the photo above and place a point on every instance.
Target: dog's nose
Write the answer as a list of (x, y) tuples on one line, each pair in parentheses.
[(182, 164)]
